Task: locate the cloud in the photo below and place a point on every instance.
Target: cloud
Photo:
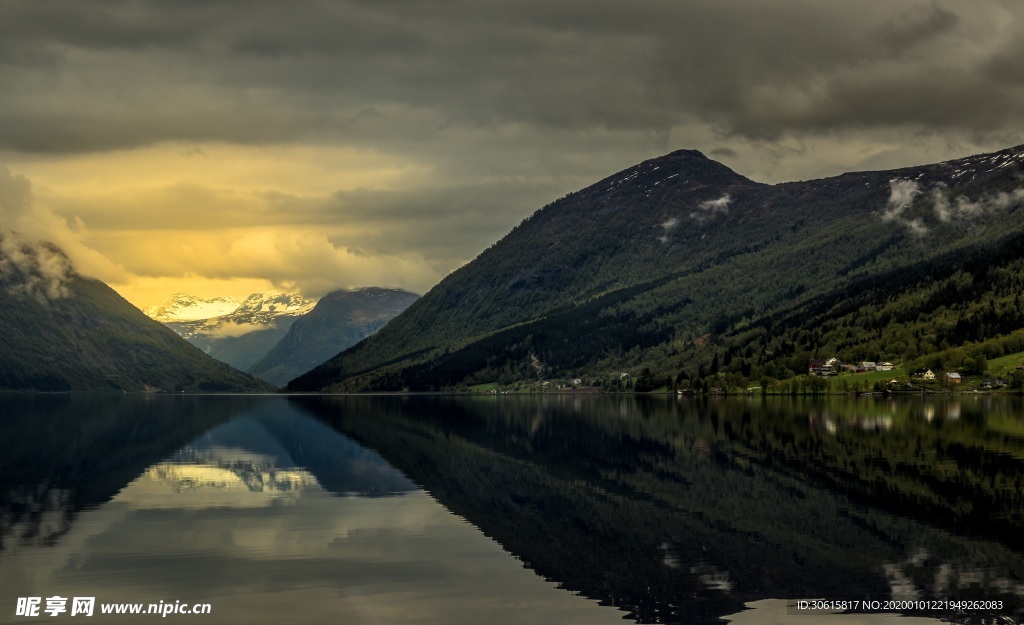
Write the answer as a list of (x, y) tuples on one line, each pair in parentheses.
[(719, 205), (443, 125), (41, 250), (15, 197), (916, 26), (27, 266), (668, 226), (294, 258), (966, 208), (916, 227), (328, 218), (709, 208), (941, 204), (34, 269), (901, 195), (311, 72), (1004, 200), (228, 329)]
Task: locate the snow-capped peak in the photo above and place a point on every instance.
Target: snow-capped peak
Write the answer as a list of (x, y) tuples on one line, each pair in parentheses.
[(184, 307), (274, 303)]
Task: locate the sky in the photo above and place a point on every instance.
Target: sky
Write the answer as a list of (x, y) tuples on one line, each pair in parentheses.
[(221, 147)]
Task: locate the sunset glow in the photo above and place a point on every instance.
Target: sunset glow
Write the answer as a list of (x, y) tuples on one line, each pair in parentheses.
[(341, 144)]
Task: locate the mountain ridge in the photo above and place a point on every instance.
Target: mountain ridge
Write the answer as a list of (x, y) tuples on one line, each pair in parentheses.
[(244, 335), (185, 307), (60, 331), (717, 251), (339, 320)]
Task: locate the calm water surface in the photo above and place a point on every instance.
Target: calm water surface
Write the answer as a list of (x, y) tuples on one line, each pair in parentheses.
[(558, 509)]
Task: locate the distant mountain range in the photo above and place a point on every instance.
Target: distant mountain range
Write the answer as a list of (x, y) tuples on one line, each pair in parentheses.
[(277, 336), (60, 331), (678, 271), (183, 307), (238, 333), (339, 320)]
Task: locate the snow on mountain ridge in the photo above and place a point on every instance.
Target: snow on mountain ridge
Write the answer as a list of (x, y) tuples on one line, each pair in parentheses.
[(256, 308), (184, 307), (274, 303)]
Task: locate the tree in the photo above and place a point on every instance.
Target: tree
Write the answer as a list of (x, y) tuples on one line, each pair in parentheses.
[(1017, 380)]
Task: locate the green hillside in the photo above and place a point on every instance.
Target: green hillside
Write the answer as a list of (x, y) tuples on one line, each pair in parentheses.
[(679, 270), (70, 333)]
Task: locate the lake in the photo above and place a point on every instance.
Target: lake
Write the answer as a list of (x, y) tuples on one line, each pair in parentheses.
[(540, 509)]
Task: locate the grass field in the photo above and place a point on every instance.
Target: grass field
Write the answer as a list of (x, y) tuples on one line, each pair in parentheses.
[(1005, 365), (868, 378)]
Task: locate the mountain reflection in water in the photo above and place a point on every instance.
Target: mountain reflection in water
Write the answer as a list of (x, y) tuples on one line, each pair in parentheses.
[(685, 511), (308, 509), (261, 511)]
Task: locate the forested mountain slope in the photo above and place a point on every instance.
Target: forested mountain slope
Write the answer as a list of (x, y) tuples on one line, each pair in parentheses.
[(60, 331), (683, 268)]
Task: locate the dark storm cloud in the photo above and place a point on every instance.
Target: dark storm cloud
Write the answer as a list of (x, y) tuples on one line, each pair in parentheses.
[(347, 141), (108, 74), (917, 26), (824, 67)]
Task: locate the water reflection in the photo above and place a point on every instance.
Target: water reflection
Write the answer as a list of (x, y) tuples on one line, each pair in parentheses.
[(311, 509), (264, 513), (685, 511), (62, 453)]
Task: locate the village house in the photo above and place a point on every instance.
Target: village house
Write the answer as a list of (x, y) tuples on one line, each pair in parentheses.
[(822, 368), (924, 374), (953, 378)]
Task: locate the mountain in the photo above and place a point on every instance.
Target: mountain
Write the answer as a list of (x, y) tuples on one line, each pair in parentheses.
[(184, 307), (678, 269), (60, 331), (339, 320), (241, 336)]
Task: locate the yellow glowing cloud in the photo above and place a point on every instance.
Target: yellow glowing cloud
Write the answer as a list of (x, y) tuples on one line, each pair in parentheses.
[(302, 169), (238, 262), (218, 219)]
